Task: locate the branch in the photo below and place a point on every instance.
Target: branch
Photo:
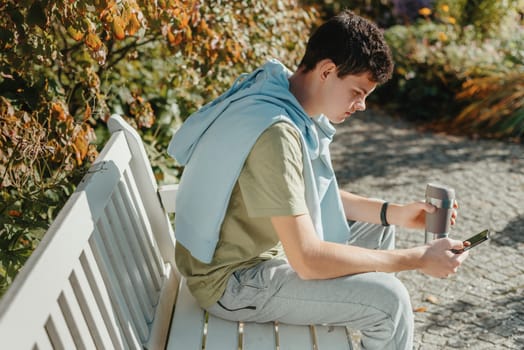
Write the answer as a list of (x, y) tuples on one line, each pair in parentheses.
[(123, 51)]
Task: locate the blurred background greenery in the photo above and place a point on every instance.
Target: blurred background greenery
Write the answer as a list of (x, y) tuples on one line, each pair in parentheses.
[(66, 66)]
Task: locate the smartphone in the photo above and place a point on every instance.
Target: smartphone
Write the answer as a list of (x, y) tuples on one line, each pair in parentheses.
[(474, 241)]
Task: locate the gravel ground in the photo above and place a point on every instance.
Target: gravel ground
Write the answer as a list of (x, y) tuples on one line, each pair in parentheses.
[(482, 306)]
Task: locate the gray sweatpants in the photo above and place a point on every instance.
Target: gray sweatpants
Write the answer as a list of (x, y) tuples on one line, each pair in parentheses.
[(375, 303)]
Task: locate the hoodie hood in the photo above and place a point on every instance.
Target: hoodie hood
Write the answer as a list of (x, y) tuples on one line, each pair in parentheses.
[(269, 83)]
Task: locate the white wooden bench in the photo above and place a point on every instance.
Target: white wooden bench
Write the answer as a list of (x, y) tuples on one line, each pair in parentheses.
[(104, 275)]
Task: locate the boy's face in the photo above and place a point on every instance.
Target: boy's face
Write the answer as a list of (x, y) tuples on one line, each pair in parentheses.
[(339, 98)]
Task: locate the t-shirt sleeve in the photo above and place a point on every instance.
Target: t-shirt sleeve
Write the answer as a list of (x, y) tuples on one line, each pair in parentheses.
[(272, 182)]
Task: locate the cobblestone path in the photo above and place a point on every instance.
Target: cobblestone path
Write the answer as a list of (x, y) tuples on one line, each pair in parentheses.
[(482, 306)]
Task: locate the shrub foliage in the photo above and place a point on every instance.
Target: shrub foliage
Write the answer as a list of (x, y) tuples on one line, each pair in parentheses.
[(444, 60), (66, 66)]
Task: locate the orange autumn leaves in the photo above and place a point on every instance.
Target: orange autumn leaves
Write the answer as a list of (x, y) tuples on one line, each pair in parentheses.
[(80, 135), (181, 23), (123, 20), (29, 148)]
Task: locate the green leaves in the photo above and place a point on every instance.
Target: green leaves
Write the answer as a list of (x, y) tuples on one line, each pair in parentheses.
[(437, 59), (65, 66)]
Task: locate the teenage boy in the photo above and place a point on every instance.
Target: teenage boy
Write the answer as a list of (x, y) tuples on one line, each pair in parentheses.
[(263, 231)]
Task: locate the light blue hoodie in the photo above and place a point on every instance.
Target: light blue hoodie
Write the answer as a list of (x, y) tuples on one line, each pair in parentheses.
[(214, 142)]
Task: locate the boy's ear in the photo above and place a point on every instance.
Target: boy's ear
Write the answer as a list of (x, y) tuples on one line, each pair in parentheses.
[(326, 67)]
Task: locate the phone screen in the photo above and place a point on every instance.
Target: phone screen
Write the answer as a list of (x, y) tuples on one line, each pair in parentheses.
[(474, 241)]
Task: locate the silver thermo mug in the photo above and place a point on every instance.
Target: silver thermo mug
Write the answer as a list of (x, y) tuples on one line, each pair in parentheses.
[(438, 223)]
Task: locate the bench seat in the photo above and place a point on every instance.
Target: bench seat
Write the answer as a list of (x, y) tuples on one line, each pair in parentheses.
[(193, 328)]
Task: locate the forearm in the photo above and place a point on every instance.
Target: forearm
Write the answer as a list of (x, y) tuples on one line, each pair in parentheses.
[(358, 208), (313, 258), (364, 209), (331, 260)]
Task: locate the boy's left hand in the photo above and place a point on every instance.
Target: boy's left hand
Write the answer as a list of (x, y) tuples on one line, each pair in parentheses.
[(413, 215)]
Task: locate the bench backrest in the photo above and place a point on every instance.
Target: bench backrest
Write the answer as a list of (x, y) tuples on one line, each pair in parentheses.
[(103, 275)]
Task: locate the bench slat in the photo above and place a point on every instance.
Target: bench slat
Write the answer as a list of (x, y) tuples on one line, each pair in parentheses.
[(58, 331), (42, 341), (147, 187), (89, 307), (121, 278), (146, 238), (100, 293), (293, 337), (127, 266), (259, 336), (118, 300), (329, 337), (129, 234), (75, 320), (187, 326), (221, 334)]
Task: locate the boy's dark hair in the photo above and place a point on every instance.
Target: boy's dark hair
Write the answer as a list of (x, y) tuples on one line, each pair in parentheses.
[(354, 44)]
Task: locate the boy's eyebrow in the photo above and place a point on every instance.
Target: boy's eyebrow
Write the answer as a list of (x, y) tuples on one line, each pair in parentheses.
[(364, 91), (361, 90)]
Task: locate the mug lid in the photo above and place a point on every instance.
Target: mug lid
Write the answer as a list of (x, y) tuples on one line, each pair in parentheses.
[(439, 191)]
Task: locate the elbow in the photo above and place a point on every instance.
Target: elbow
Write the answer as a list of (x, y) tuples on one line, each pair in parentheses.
[(305, 274), (307, 260), (306, 268)]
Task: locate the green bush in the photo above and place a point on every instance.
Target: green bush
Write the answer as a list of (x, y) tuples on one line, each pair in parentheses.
[(436, 56), (65, 66), (487, 17), (381, 12)]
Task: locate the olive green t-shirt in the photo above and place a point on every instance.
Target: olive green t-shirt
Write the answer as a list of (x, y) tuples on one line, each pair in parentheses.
[(270, 184)]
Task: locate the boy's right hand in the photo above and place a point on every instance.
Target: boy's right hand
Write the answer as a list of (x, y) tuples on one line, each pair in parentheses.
[(439, 261)]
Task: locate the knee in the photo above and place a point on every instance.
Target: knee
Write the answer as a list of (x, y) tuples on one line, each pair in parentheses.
[(395, 299), (397, 321), (402, 314)]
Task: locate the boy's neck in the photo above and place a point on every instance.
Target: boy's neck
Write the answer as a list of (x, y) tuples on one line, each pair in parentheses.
[(299, 86)]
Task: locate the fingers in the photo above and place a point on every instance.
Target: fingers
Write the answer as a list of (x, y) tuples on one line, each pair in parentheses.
[(428, 208), (462, 256), (459, 255), (456, 244), (454, 214), (443, 262), (457, 260)]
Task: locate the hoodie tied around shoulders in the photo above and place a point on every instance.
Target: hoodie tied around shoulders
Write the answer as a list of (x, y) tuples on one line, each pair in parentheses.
[(214, 142)]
